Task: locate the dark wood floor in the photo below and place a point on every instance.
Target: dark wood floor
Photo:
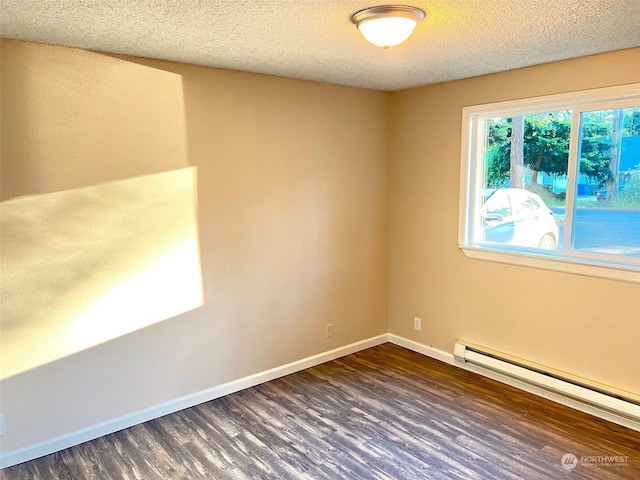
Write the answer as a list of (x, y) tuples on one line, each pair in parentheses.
[(383, 413)]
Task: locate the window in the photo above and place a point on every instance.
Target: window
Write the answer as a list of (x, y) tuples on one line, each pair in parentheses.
[(554, 182)]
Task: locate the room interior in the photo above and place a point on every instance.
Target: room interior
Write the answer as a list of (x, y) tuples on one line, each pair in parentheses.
[(307, 202)]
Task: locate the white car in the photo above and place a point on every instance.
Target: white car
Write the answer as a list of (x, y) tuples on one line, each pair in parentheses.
[(514, 216)]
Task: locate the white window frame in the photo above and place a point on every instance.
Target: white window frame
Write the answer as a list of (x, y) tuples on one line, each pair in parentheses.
[(568, 261)]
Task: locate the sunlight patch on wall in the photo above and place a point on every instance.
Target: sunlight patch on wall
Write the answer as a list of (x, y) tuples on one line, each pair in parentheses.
[(84, 266), (145, 298)]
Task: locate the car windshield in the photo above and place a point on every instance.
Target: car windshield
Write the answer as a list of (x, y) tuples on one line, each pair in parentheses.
[(498, 204), (512, 216)]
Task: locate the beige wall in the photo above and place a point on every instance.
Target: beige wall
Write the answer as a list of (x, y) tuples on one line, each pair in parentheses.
[(586, 326), (76, 229), (320, 204), (73, 119), (293, 225)]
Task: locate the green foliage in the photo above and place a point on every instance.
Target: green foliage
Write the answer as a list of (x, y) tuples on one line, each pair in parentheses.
[(632, 123), (548, 197), (546, 142), (497, 166), (629, 197), (595, 147), (546, 145)]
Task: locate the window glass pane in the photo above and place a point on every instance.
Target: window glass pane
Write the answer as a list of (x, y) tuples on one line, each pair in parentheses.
[(554, 182), (524, 180), (607, 208)]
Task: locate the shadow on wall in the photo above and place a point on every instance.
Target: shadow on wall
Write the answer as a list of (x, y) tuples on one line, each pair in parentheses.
[(98, 223)]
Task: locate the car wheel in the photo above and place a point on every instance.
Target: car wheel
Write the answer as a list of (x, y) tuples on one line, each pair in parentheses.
[(547, 242)]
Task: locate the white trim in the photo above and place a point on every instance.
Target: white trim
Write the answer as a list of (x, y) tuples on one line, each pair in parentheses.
[(14, 457), (31, 452), (595, 98), (549, 262), (449, 358), (567, 261), (428, 351)]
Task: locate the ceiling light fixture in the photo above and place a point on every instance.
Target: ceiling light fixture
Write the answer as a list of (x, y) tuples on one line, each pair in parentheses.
[(387, 25)]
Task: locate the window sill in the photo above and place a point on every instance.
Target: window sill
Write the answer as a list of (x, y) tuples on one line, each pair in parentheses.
[(549, 262)]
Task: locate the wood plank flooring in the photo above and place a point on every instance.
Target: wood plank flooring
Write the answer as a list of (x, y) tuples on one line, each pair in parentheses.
[(383, 413)]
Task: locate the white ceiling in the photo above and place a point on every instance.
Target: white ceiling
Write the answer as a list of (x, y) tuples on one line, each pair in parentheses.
[(315, 40)]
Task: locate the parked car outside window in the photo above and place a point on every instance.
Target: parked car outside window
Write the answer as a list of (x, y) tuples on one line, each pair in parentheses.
[(516, 216)]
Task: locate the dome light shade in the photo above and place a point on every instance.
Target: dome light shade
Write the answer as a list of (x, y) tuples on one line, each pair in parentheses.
[(387, 25)]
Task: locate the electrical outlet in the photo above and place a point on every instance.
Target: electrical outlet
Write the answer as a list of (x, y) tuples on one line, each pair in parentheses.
[(329, 331), (3, 427), (417, 323)]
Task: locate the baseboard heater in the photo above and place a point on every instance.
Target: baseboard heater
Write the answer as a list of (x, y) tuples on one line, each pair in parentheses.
[(618, 406)]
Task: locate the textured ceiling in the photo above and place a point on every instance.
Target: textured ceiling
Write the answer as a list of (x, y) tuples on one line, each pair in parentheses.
[(314, 39)]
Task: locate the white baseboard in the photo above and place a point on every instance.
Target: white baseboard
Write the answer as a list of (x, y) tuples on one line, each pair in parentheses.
[(441, 355), (31, 452), (569, 402)]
